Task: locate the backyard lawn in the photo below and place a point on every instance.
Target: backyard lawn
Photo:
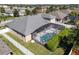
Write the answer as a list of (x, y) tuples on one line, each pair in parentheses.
[(33, 47), (15, 50), (53, 44)]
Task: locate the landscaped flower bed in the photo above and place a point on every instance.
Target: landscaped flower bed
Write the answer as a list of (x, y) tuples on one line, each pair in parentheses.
[(75, 52)]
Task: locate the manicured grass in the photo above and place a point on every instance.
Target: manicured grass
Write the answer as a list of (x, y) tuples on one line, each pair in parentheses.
[(4, 18), (15, 50), (33, 47), (2, 27), (54, 42), (59, 51), (65, 32)]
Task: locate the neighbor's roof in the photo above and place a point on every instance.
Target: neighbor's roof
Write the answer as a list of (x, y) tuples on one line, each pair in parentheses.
[(4, 49), (67, 11), (27, 24), (60, 14)]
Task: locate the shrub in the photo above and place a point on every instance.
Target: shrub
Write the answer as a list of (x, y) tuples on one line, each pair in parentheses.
[(54, 42)]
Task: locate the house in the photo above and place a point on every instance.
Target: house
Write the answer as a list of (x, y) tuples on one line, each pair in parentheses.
[(33, 26), (61, 15), (4, 49), (42, 9), (8, 12)]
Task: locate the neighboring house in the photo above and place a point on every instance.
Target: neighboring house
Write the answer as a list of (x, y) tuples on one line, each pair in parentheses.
[(30, 8), (42, 9), (9, 12), (32, 27), (22, 12), (4, 49), (61, 15)]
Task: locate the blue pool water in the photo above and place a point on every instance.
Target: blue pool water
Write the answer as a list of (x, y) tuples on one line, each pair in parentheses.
[(47, 37)]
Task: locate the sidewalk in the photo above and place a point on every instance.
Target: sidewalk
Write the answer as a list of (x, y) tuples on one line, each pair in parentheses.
[(18, 45), (4, 30)]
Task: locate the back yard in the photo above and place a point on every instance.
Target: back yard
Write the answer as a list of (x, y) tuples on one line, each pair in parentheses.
[(53, 44)]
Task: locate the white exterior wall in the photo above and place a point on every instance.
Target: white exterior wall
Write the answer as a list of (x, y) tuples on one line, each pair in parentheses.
[(53, 20)]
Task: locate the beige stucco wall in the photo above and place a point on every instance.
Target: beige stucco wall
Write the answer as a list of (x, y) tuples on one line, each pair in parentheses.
[(28, 38), (18, 35), (25, 39)]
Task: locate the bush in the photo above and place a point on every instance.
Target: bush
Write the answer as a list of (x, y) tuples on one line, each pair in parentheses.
[(54, 42)]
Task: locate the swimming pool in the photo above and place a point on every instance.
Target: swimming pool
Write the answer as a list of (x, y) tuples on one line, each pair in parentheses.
[(47, 37)]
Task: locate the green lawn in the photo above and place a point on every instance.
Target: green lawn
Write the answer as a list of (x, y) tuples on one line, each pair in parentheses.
[(65, 32), (54, 42), (33, 47), (2, 27), (4, 18), (59, 51), (15, 50)]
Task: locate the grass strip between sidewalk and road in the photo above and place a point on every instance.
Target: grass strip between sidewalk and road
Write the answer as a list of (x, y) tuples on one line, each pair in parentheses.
[(14, 49)]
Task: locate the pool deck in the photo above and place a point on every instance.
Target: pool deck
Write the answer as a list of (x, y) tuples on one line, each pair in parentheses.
[(43, 33)]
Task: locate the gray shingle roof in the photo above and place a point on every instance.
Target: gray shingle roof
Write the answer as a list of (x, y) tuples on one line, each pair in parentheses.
[(27, 24), (60, 14)]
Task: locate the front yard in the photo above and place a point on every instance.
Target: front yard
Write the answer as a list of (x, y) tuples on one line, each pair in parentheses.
[(33, 47), (15, 50)]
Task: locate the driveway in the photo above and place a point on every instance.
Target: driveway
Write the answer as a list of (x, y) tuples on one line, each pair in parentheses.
[(18, 45)]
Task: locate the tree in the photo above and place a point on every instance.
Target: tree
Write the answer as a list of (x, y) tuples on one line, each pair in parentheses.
[(63, 7), (2, 10), (74, 13), (11, 7), (51, 8), (35, 11), (77, 23), (27, 12), (16, 13)]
